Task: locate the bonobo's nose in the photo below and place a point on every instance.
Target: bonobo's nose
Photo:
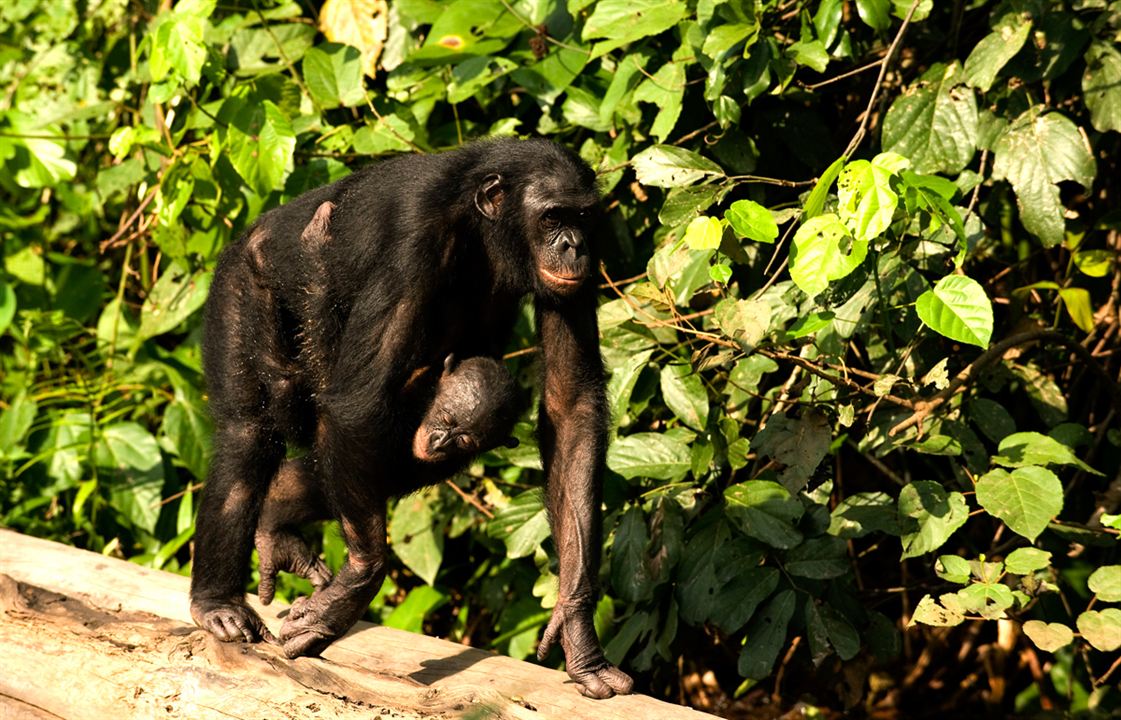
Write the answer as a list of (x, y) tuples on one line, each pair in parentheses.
[(569, 241), (438, 440)]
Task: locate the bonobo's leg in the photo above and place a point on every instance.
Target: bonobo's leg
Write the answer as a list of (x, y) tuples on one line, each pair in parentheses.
[(245, 458), (572, 427), (333, 609), (294, 498)]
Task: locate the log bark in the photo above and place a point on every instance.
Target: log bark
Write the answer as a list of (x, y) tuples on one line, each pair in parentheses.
[(86, 636)]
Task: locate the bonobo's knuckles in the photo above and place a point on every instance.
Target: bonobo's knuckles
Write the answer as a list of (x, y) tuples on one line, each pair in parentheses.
[(573, 626)]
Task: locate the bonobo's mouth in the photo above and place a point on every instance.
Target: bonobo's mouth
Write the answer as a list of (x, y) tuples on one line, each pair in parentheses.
[(563, 282), (420, 447)]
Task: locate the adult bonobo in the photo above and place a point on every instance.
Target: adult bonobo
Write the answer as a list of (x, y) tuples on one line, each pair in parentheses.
[(428, 255)]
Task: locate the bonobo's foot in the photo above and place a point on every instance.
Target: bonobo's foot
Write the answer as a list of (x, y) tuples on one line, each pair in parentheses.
[(572, 625), (314, 622), (230, 620), (285, 550)]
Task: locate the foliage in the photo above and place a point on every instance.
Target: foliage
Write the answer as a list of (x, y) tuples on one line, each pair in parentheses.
[(855, 385)]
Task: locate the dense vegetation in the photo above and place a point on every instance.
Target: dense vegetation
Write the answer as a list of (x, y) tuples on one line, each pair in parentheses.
[(860, 313)]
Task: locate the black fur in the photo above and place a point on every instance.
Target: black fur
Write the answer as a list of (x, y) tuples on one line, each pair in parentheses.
[(425, 256)]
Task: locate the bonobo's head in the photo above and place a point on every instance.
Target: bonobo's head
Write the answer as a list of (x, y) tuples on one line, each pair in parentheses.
[(556, 212), (473, 411)]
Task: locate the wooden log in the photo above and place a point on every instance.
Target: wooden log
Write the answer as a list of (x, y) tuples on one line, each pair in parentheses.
[(87, 636)]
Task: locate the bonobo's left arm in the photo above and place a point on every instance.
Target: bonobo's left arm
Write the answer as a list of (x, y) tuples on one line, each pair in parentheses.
[(572, 425)]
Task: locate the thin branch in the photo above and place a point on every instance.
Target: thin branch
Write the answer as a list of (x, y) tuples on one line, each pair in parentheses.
[(924, 408), (844, 75), (859, 135), (471, 499), (111, 242), (814, 369)]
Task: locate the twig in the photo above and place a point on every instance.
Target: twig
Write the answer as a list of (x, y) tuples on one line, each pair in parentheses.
[(859, 135), (842, 76), (924, 408), (474, 501), (131, 219), (835, 379)]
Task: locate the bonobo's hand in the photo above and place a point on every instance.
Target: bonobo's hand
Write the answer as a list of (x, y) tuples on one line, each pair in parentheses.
[(230, 620), (313, 623), (287, 551), (572, 625)]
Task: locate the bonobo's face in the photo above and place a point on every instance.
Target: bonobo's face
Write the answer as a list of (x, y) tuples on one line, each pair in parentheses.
[(473, 411), (562, 214)]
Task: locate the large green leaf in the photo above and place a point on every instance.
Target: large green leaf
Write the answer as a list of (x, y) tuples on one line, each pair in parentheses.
[(930, 516), (745, 321), (817, 255), (1102, 629), (668, 166), (995, 50), (174, 298), (797, 445), (417, 536), (958, 308), (1101, 85), (1026, 499), (522, 525), (751, 220), (1038, 151), (653, 455), (865, 201), (624, 21), (1032, 448), (333, 74), (684, 393), (1105, 582), (935, 124), (766, 636), (630, 571), (765, 511)]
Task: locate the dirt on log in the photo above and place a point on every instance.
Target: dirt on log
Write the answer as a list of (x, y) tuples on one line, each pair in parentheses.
[(85, 636)]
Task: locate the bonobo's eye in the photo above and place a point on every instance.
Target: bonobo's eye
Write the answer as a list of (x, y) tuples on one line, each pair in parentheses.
[(551, 219), (465, 442)]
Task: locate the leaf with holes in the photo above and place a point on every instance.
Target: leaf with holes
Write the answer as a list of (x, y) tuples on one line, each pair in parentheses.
[(817, 255), (668, 166), (935, 123)]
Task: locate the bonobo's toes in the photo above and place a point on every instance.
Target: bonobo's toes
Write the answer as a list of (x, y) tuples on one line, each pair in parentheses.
[(231, 622), (603, 682), (305, 635)]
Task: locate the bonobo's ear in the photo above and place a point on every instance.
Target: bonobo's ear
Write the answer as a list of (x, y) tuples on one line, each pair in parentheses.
[(489, 196), (510, 442), (449, 363)]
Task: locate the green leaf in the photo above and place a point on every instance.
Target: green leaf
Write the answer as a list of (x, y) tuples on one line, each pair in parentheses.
[(822, 558), (187, 426), (817, 255), (1048, 636), (737, 601), (766, 636), (665, 89), (523, 524), (744, 321), (15, 422), (1025, 499), (8, 305), (812, 54), (333, 74), (935, 124), (765, 511), (652, 455), (865, 200), (952, 568), (1095, 263), (1105, 582), (1025, 561), (473, 74), (410, 614), (864, 513), (630, 572), (995, 50), (929, 612), (930, 515), (991, 418), (797, 445), (417, 536), (178, 44), (751, 220), (668, 166), (1101, 85), (1102, 629), (174, 298), (958, 308), (128, 445), (815, 202), (704, 233), (1032, 448), (1077, 303), (685, 395), (624, 21), (875, 14), (1035, 153)]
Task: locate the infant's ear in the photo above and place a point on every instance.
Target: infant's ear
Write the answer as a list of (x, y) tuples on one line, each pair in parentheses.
[(449, 363), (511, 442)]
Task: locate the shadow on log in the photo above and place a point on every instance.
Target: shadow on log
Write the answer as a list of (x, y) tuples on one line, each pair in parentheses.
[(85, 636)]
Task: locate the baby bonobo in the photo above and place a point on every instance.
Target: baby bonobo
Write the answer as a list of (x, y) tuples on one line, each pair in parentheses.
[(473, 411)]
